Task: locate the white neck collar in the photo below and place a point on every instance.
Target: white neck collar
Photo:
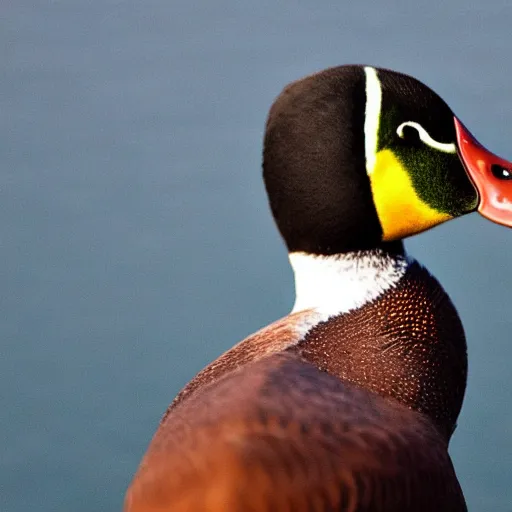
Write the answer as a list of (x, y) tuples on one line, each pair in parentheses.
[(332, 285)]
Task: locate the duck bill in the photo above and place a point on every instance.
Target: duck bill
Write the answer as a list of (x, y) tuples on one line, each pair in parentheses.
[(490, 174)]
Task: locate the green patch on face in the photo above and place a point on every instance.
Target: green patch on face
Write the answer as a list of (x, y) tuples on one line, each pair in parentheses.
[(439, 178)]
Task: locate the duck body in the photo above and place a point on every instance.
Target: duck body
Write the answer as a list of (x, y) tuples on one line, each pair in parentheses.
[(349, 402), (305, 407), (343, 449)]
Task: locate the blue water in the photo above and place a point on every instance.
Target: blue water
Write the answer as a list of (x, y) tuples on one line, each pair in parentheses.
[(135, 236)]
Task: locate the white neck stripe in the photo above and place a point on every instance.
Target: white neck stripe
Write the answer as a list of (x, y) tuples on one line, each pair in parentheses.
[(372, 117), (426, 138), (332, 285)]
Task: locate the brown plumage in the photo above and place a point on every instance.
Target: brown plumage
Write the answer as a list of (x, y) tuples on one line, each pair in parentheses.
[(266, 427), (274, 338), (280, 435)]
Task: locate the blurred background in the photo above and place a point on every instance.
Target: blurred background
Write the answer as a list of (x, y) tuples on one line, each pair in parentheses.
[(136, 240)]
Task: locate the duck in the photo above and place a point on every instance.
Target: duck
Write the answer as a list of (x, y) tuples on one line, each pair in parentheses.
[(349, 402)]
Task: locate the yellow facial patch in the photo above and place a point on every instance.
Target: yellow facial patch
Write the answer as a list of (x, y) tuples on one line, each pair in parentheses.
[(401, 212)]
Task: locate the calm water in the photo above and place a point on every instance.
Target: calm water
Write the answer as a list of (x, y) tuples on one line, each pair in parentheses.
[(135, 236)]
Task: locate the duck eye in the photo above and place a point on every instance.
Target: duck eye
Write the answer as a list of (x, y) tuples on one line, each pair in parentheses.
[(501, 172)]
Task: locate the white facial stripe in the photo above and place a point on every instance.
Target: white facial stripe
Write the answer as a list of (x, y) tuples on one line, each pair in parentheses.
[(426, 138), (372, 117), (332, 285)]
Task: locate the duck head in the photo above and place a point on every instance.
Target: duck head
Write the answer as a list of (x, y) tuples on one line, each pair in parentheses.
[(357, 157)]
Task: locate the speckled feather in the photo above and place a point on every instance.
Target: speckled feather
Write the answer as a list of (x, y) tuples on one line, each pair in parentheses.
[(408, 344)]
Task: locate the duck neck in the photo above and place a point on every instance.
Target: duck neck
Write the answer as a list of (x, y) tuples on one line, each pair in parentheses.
[(383, 322), (339, 283)]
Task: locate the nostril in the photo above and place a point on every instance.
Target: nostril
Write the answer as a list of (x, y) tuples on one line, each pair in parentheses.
[(502, 173)]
